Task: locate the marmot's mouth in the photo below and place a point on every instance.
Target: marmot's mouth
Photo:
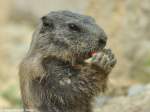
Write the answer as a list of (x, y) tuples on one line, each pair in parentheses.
[(87, 57), (90, 54)]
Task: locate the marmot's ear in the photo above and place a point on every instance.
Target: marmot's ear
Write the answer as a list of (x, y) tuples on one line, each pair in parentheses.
[(44, 19), (46, 22)]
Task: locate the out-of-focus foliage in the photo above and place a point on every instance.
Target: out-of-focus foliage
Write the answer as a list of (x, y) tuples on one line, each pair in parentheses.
[(126, 23)]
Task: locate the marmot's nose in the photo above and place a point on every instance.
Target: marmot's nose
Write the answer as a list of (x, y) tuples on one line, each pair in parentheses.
[(102, 42)]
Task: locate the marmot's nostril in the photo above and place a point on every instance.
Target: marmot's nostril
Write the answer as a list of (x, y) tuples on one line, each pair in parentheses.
[(102, 42)]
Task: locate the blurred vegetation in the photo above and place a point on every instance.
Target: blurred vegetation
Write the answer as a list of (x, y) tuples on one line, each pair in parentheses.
[(11, 95)]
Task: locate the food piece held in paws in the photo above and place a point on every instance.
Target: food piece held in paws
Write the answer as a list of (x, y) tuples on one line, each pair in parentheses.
[(94, 56)]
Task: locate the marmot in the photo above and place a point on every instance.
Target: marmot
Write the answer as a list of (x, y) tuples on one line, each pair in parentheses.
[(55, 75)]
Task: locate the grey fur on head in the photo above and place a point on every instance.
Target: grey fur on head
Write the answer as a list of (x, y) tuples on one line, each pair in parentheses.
[(65, 31)]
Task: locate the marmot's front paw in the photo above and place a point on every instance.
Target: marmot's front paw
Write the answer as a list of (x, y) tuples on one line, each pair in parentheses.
[(105, 60)]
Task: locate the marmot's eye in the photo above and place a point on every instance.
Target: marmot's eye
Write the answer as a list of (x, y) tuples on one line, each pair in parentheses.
[(74, 27)]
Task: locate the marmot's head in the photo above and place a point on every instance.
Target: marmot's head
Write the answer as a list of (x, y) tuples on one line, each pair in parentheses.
[(68, 36)]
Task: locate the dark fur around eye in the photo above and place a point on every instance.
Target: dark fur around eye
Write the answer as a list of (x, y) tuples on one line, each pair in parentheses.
[(74, 27)]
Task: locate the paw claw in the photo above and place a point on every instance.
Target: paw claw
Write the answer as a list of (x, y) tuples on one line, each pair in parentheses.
[(113, 62)]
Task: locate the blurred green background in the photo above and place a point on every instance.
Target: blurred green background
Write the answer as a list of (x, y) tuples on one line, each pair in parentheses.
[(127, 24)]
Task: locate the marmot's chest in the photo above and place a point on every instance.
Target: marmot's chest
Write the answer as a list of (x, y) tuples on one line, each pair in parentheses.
[(59, 77), (59, 74)]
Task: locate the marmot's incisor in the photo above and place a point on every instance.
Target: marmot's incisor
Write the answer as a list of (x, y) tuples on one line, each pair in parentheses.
[(54, 75)]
